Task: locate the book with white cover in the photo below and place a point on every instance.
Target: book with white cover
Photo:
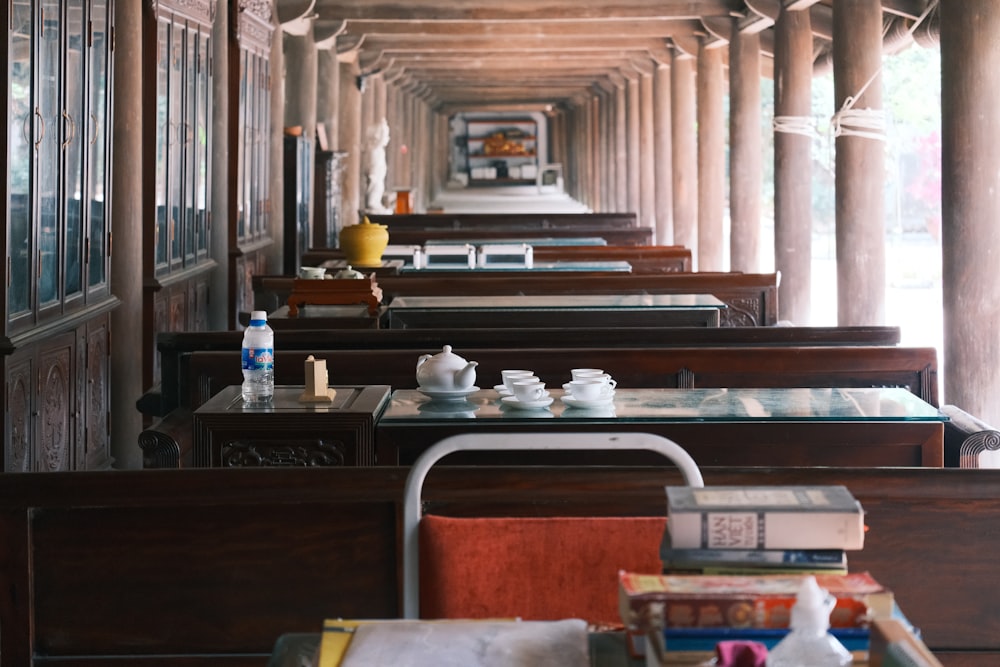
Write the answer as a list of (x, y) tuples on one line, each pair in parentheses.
[(764, 517)]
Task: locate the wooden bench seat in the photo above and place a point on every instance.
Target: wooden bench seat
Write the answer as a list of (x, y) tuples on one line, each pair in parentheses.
[(402, 235), (210, 567), (508, 221), (751, 298)]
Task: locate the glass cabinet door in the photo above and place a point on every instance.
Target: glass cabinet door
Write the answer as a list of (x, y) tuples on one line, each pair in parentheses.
[(47, 151), (98, 176), (72, 126), (162, 142), (22, 126), (203, 106)]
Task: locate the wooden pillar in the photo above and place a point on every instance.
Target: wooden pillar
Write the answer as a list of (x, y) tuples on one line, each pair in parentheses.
[(607, 164), (647, 159), (327, 94), (745, 151), (793, 165), (634, 168), (970, 189), (126, 261), (595, 197), (860, 166), (685, 154), (350, 138), (301, 66), (663, 204), (711, 160), (301, 94), (621, 147)]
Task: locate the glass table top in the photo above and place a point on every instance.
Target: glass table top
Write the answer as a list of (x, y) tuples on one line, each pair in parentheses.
[(681, 405), (547, 241), (560, 302)]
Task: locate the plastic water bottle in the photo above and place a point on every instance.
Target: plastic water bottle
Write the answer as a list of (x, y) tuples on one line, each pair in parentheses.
[(810, 644), (258, 360)]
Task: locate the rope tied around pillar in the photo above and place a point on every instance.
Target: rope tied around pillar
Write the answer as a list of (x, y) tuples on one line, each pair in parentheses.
[(868, 123), (804, 125)]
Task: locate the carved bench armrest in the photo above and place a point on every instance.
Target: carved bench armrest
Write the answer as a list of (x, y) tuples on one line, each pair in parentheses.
[(167, 443), (975, 436)]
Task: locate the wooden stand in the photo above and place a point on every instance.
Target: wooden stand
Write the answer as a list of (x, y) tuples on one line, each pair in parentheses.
[(317, 388), (335, 292)]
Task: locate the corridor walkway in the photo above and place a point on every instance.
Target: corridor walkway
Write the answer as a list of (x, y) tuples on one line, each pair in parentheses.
[(506, 199)]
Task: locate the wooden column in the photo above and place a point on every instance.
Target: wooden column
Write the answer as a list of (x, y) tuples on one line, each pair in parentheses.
[(860, 166), (301, 67), (621, 146), (970, 189), (350, 138), (685, 154), (634, 164), (711, 160), (663, 186), (647, 158), (745, 151), (327, 97), (607, 161), (126, 261), (594, 195), (793, 165)]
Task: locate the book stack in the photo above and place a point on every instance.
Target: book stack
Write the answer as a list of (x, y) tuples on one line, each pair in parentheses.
[(761, 530), (734, 558), (696, 612)]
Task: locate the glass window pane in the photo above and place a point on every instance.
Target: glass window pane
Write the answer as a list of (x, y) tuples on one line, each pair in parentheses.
[(72, 147), (162, 142), (97, 137), (175, 141), (47, 152), (21, 126)]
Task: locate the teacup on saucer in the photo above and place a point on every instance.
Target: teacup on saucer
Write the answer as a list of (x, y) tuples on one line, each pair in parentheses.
[(529, 390), (590, 389)]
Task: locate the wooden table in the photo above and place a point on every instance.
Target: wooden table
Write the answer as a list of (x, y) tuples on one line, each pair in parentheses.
[(740, 427), (229, 433)]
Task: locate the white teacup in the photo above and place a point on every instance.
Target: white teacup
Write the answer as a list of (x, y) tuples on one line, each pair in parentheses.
[(528, 391), (603, 377), (508, 376), (312, 272), (578, 373), (590, 389)]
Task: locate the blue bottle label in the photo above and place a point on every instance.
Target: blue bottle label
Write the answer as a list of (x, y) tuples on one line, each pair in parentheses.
[(258, 358)]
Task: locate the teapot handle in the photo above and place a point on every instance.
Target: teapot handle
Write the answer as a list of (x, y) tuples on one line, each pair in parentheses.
[(422, 358)]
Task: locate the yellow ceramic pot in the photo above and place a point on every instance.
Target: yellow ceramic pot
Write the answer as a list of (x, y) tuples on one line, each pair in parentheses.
[(364, 243)]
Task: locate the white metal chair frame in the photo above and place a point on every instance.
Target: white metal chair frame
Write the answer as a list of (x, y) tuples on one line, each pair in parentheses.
[(412, 504)]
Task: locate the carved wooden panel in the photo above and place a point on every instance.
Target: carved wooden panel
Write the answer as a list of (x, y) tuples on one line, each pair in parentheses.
[(97, 397), (19, 435), (56, 404)]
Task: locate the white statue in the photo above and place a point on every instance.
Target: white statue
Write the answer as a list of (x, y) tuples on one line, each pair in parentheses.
[(377, 138)]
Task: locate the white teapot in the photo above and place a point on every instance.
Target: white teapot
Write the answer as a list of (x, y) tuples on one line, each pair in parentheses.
[(349, 274), (445, 371)]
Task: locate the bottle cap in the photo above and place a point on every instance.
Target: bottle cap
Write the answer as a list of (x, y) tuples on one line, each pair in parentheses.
[(258, 317)]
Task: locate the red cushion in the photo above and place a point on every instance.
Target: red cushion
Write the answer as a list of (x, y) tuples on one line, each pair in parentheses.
[(532, 568)]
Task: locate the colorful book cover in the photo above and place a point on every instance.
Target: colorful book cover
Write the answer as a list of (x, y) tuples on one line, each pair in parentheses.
[(742, 601), (767, 517)]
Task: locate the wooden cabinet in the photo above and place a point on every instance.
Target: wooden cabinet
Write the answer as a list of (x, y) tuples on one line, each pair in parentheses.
[(327, 199), (502, 151), (177, 89), (55, 337)]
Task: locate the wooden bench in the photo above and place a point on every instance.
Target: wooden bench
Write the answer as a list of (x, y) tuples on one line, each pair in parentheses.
[(514, 222), (159, 400), (210, 567), (203, 374), (402, 235), (751, 298)]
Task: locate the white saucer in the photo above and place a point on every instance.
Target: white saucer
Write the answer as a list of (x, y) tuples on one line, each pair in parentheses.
[(502, 390), (447, 394), (528, 405), (585, 404)]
